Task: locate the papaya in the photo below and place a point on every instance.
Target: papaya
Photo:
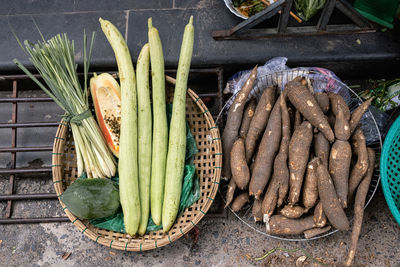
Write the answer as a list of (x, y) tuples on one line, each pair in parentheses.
[(106, 95)]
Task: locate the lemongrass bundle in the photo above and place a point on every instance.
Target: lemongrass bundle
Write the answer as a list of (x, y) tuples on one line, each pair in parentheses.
[(55, 62)]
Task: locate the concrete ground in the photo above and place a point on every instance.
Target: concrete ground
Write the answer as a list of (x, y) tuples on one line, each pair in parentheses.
[(222, 242)]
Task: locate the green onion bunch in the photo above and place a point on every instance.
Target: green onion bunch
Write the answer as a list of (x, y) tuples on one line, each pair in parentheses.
[(55, 61)]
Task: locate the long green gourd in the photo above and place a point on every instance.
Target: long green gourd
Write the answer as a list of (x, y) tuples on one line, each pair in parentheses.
[(160, 128), (144, 134), (128, 154), (177, 133)]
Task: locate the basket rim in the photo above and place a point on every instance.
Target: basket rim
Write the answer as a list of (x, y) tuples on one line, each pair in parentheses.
[(57, 172), (232, 9), (302, 71), (393, 131)]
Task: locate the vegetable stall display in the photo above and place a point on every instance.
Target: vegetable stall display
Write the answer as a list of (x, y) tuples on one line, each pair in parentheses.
[(156, 179), (301, 179), (299, 157)]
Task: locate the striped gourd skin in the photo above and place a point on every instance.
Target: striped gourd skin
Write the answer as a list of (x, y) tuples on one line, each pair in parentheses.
[(128, 154)]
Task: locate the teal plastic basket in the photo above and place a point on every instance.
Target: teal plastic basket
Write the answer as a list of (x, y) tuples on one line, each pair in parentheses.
[(390, 169), (381, 12)]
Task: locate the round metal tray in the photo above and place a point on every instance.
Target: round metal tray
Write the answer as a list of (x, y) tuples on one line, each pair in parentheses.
[(330, 84)]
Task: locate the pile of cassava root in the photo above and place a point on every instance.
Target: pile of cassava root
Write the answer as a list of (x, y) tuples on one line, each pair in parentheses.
[(301, 156)]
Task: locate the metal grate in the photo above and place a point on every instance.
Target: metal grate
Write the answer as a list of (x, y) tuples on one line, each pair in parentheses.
[(207, 83)]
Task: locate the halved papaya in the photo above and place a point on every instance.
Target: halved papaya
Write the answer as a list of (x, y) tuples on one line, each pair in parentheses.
[(106, 95)]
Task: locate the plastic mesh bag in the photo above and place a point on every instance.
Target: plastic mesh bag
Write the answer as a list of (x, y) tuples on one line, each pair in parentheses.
[(372, 115), (275, 72), (236, 82)]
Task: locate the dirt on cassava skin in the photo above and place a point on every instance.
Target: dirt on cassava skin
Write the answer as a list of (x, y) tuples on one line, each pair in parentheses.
[(283, 175), (358, 113), (299, 150), (360, 168), (323, 101), (280, 225), (247, 117), (310, 189), (330, 202), (337, 100), (239, 168), (322, 148), (233, 121), (342, 125), (292, 212), (267, 150), (302, 99), (339, 169), (359, 203), (297, 120), (230, 192), (240, 201), (313, 232), (259, 120), (319, 216), (256, 210)]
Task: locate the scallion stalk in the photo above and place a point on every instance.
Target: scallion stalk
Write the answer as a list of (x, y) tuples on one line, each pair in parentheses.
[(55, 62)]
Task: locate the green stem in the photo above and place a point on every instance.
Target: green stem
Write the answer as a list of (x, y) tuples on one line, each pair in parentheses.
[(308, 255)]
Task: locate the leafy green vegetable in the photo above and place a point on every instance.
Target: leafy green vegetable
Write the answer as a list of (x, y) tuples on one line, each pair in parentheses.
[(257, 7), (238, 3), (308, 8), (249, 7), (384, 93), (92, 198), (190, 194)]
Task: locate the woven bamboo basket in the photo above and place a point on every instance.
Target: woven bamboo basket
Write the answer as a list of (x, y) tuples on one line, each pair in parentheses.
[(208, 167)]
